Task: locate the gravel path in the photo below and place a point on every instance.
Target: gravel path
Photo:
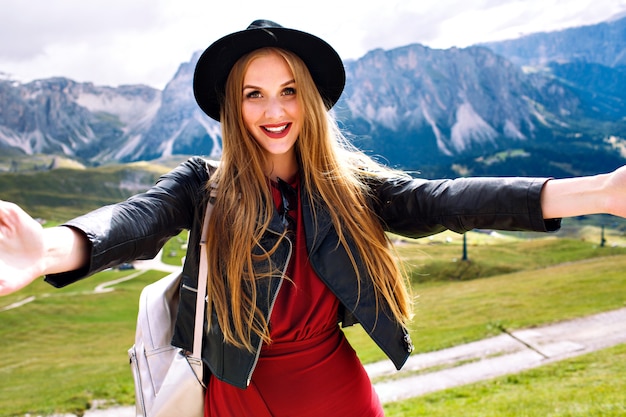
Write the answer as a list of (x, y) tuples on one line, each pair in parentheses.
[(485, 359)]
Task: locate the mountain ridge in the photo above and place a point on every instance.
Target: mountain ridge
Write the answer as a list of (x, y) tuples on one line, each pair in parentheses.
[(439, 111)]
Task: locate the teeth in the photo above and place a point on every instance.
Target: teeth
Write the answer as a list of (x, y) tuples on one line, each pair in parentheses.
[(276, 129)]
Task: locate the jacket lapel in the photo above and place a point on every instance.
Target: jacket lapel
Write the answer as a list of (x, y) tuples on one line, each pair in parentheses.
[(316, 220)]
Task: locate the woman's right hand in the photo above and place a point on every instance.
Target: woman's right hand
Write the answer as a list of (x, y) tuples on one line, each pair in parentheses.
[(22, 248)]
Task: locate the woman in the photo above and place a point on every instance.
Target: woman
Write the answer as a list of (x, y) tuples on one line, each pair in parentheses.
[(297, 239)]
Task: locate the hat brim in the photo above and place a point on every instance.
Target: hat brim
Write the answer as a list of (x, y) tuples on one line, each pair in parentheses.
[(217, 60)]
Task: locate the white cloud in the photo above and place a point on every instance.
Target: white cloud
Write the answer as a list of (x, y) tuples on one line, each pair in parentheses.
[(112, 42)]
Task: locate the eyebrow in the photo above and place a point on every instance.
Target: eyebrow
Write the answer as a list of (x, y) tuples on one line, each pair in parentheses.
[(292, 81)]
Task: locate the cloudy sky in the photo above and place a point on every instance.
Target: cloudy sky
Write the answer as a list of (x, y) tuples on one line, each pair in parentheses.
[(113, 42)]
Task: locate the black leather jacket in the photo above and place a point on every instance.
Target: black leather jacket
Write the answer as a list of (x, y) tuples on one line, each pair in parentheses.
[(138, 228)]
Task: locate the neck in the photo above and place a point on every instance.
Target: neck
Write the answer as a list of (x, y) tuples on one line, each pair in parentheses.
[(283, 168)]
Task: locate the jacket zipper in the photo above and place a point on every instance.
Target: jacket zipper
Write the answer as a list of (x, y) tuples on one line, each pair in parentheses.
[(187, 287), (269, 314)]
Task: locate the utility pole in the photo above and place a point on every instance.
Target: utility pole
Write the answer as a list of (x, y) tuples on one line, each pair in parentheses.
[(602, 239), (464, 246)]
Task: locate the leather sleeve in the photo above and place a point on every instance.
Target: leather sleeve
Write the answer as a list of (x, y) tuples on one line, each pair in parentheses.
[(418, 208), (139, 227)]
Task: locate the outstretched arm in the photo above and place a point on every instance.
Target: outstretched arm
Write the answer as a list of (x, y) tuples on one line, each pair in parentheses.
[(570, 197), (28, 251)]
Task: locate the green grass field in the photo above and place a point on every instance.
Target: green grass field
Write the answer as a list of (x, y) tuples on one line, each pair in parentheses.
[(591, 385), (67, 349), (66, 192)]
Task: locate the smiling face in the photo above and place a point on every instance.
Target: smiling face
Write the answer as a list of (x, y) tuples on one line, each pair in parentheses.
[(272, 112)]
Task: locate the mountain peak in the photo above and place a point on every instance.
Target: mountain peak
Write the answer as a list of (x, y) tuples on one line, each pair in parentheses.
[(414, 106)]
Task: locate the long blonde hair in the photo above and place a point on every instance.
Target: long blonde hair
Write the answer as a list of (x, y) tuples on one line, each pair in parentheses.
[(331, 172)]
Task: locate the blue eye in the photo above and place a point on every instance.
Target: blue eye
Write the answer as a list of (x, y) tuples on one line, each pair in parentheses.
[(253, 94)]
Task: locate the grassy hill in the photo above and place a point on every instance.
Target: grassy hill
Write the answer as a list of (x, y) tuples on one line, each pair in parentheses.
[(57, 189), (67, 348)]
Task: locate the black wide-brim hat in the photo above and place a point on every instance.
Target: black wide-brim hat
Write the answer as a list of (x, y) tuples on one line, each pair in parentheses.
[(215, 63)]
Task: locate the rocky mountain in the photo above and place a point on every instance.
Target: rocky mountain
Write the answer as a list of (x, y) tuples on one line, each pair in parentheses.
[(547, 104), (483, 110), (603, 43), (61, 116), (179, 127), (432, 105)]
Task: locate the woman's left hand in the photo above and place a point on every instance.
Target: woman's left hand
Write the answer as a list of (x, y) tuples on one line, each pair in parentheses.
[(616, 192), (605, 193)]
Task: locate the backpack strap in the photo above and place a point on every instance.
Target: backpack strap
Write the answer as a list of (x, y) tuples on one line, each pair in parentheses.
[(203, 271)]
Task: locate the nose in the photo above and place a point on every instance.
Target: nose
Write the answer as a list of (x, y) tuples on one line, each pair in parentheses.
[(274, 109)]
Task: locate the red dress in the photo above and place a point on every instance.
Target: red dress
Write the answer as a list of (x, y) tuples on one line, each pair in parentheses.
[(309, 369)]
